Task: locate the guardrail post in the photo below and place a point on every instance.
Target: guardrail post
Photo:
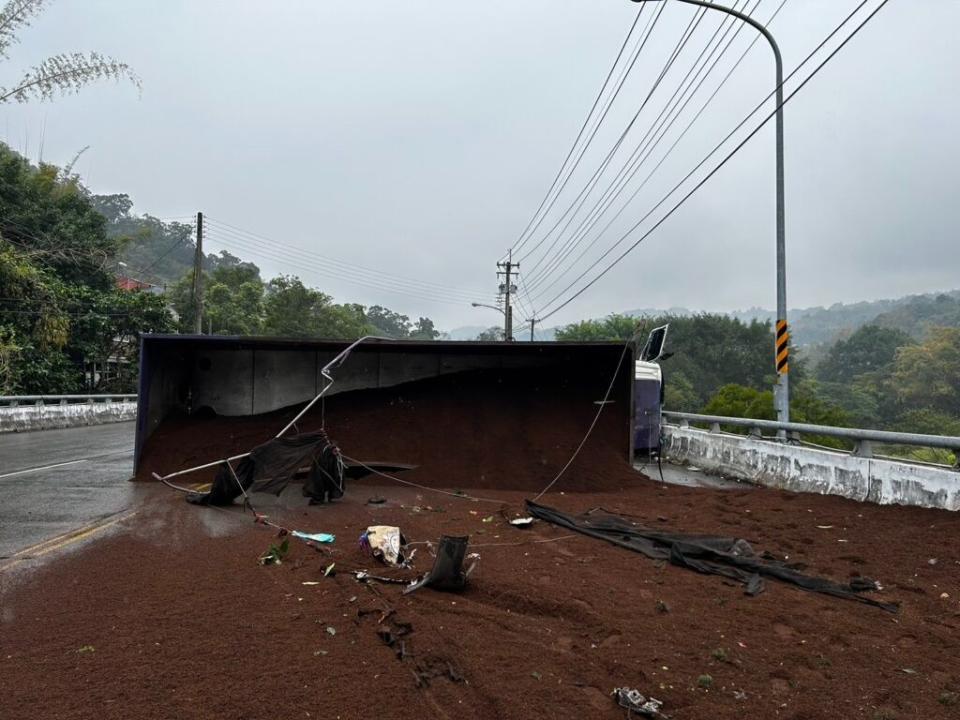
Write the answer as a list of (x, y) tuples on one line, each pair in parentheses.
[(863, 448), (684, 423), (793, 436), (756, 432), (63, 401), (14, 403), (39, 402), (715, 427)]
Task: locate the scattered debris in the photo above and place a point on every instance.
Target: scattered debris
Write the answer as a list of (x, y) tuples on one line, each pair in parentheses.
[(276, 553), (634, 701), (488, 519), (86, 649), (447, 572), (376, 500), (314, 537), (364, 576), (310, 582), (329, 570), (384, 542), (824, 527), (331, 630), (662, 607), (739, 695), (932, 561), (535, 675), (522, 522)]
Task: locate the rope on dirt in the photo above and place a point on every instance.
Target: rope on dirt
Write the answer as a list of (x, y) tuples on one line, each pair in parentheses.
[(524, 542), (596, 417), (462, 496)]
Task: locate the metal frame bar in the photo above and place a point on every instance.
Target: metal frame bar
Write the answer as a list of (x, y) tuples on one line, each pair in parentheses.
[(859, 435)]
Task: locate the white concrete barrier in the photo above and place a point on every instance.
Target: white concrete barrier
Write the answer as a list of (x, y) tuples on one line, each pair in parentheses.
[(803, 469), (27, 417)]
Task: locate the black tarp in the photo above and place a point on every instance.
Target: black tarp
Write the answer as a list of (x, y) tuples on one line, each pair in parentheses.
[(729, 557), (271, 466)]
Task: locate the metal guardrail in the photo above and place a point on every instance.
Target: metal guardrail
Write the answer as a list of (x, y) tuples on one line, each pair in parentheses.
[(17, 400), (863, 439)]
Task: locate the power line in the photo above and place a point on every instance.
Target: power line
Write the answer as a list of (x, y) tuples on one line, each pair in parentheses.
[(586, 121), (299, 262), (587, 227), (591, 183), (299, 258), (668, 152), (713, 172), (240, 233), (642, 150)]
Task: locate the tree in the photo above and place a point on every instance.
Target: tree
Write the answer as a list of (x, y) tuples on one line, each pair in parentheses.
[(927, 376), (294, 310), (491, 334), (871, 349), (424, 330), (388, 323), (59, 74), (612, 327)]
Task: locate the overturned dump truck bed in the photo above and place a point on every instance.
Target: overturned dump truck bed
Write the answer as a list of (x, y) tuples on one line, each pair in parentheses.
[(466, 411)]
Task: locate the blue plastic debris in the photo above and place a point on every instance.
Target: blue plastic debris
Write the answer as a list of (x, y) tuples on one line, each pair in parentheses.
[(314, 537)]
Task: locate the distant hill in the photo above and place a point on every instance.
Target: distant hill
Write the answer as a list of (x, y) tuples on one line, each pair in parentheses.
[(811, 326)]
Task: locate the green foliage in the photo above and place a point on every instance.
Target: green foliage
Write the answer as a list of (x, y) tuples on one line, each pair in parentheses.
[(680, 395), (276, 553), (424, 330), (871, 349), (59, 308), (491, 334), (612, 327), (805, 407), (388, 323), (294, 310), (742, 402), (928, 375)]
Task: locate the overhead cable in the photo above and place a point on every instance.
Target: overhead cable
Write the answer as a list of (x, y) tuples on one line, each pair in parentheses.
[(554, 309)]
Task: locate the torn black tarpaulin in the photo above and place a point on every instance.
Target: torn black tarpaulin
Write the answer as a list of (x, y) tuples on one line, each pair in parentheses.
[(729, 557), (271, 466)]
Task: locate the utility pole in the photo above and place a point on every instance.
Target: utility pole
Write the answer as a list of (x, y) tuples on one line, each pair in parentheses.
[(532, 323), (505, 289), (198, 278)]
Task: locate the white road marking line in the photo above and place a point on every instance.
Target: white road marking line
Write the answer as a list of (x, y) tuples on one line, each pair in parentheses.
[(42, 467)]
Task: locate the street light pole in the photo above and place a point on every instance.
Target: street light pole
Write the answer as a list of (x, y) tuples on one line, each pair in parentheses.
[(499, 310), (781, 344)]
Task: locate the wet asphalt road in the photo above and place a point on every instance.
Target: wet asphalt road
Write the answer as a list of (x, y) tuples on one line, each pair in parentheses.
[(55, 481)]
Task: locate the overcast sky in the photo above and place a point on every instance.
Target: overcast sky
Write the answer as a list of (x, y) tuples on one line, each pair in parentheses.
[(417, 138)]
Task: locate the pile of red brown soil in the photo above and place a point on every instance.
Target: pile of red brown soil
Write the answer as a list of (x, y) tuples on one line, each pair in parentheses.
[(174, 617), (487, 429)]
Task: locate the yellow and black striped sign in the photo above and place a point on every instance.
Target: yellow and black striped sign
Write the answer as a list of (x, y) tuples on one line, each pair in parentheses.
[(783, 347)]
